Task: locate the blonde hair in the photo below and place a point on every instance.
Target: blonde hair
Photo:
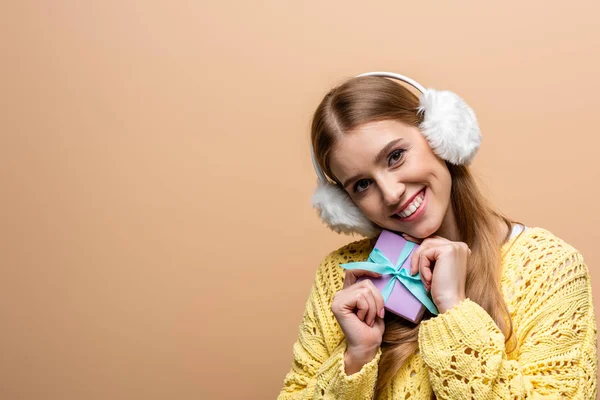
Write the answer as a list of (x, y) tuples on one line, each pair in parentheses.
[(368, 99)]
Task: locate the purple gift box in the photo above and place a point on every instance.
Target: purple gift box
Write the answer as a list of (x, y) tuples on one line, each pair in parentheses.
[(401, 302)]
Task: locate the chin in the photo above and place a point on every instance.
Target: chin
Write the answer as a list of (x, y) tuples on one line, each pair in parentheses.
[(422, 230)]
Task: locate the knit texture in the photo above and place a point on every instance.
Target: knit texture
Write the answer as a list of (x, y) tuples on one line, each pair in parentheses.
[(461, 354)]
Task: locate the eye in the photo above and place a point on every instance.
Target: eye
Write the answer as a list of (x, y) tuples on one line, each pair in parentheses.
[(360, 185), (396, 155)]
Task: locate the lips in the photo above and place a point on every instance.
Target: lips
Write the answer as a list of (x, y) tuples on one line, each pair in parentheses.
[(408, 202)]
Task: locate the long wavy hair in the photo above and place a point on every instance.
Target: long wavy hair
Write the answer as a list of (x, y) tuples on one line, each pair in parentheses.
[(367, 99)]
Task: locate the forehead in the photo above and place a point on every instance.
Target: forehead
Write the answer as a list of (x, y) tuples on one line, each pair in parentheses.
[(357, 149)]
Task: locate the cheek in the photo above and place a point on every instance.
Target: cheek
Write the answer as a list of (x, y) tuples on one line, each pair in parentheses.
[(369, 206), (442, 195), (446, 180), (441, 175)]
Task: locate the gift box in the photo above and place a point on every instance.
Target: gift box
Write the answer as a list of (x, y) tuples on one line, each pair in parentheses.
[(404, 295)]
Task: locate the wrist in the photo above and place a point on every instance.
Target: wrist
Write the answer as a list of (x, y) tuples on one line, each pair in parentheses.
[(449, 302), (354, 359)]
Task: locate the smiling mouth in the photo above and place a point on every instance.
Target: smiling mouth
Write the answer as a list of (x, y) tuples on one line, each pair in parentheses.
[(412, 208)]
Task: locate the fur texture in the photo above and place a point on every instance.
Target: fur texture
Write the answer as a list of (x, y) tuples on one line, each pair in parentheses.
[(450, 126), (339, 212)]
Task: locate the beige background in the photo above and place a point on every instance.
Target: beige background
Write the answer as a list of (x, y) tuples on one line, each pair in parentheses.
[(156, 236)]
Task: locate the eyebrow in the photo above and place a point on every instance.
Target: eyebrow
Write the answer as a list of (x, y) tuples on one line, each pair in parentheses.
[(382, 153)]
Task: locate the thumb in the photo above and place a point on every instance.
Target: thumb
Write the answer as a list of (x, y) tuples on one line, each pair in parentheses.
[(353, 275), (379, 325), (364, 272), (412, 239)]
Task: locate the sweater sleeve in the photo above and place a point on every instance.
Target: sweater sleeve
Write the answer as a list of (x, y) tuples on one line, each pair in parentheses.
[(318, 370), (464, 349)]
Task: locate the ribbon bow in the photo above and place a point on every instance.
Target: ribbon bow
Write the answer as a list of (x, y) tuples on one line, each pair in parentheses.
[(379, 263)]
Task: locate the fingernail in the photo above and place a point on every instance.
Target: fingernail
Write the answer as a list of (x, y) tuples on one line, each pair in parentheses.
[(382, 313), (372, 323)]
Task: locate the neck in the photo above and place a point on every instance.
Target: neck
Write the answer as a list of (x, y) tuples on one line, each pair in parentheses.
[(449, 228)]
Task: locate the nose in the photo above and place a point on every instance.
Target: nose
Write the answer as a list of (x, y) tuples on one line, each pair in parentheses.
[(391, 190)]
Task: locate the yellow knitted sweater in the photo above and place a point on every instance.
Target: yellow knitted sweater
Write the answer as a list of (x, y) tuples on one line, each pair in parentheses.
[(461, 354)]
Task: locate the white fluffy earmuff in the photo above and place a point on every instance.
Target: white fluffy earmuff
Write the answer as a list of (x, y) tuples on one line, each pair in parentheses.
[(451, 129)]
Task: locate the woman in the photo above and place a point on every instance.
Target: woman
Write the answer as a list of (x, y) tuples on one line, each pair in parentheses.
[(516, 317)]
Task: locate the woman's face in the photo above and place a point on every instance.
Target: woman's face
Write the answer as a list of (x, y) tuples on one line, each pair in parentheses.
[(395, 179)]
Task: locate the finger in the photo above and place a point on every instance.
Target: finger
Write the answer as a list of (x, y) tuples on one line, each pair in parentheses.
[(428, 243), (428, 257), (349, 279), (362, 305), (372, 311), (439, 241), (423, 266), (353, 275), (379, 325), (364, 272), (377, 306), (414, 262), (439, 237), (412, 239), (435, 241), (425, 270), (379, 303)]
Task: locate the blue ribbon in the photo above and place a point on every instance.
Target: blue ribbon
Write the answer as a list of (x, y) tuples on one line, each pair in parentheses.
[(379, 263)]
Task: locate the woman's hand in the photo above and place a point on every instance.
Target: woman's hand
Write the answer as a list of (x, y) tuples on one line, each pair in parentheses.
[(358, 308), (443, 267)]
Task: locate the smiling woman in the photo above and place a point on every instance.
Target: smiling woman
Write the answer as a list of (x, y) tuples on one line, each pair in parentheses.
[(389, 160)]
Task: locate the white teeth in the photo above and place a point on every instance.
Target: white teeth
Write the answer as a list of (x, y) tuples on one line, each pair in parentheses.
[(408, 211)]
